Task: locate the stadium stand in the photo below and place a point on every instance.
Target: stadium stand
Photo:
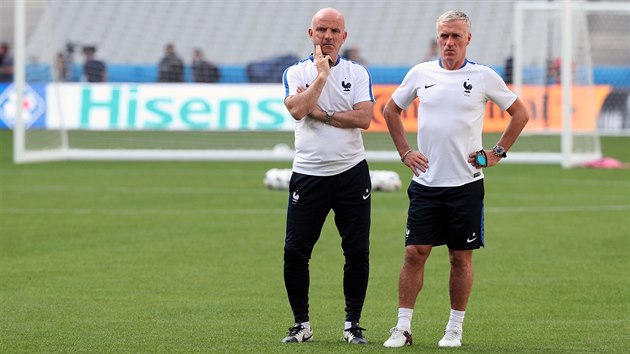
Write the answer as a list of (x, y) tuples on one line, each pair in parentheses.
[(235, 33)]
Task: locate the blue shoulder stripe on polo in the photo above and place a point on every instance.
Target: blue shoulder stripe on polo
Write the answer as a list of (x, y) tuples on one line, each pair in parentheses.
[(370, 84), (284, 81)]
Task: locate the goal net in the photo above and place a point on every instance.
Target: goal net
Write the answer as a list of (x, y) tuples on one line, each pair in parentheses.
[(554, 43), (122, 80)]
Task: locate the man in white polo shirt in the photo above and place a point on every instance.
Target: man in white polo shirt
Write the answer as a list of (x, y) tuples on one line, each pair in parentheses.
[(446, 193), (331, 100)]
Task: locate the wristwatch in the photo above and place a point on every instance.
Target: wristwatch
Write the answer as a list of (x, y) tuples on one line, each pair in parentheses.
[(329, 115), (499, 151)]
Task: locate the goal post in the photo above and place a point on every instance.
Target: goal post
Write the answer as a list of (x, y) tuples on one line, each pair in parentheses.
[(552, 50), (19, 81)]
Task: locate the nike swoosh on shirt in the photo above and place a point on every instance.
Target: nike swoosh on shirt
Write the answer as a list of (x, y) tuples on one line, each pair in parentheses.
[(427, 86)]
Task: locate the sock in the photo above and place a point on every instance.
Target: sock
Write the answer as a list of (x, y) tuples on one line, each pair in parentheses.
[(404, 319), (456, 319), (306, 325), (348, 325)]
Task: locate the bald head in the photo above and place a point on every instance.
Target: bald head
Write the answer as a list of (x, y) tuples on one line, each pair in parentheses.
[(329, 14)]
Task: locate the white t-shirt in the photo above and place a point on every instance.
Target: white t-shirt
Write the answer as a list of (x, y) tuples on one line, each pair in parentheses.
[(321, 149), (450, 116)]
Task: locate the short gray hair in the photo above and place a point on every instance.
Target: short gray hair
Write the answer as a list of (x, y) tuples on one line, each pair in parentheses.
[(453, 15)]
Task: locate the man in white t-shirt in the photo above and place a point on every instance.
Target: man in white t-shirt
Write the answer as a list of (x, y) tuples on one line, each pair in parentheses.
[(446, 193), (331, 100)]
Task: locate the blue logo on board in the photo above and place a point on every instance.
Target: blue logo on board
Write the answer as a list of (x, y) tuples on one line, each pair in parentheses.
[(33, 106)]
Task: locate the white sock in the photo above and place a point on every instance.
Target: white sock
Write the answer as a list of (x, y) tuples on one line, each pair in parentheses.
[(306, 325), (456, 319), (347, 325), (404, 319)]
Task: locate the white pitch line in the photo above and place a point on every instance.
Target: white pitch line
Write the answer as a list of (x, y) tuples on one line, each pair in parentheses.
[(282, 211), (560, 209), (90, 211), (135, 190)]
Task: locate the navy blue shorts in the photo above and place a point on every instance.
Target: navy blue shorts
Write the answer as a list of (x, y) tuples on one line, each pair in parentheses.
[(451, 216)]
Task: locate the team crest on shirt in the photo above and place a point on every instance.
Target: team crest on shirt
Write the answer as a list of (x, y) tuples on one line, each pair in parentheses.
[(467, 87), (346, 85)]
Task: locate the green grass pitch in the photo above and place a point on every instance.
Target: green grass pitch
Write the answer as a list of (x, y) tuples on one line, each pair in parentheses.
[(163, 257)]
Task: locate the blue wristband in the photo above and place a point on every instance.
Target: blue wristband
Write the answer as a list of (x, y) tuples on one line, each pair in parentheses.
[(481, 159)]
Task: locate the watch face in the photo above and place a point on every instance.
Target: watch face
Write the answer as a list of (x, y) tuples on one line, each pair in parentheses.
[(499, 151)]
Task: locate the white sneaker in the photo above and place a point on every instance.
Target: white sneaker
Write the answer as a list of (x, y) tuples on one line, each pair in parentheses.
[(452, 338), (354, 334), (399, 338), (297, 334)]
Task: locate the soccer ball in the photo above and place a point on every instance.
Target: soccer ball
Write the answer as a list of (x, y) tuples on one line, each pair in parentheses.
[(387, 181), (277, 179)]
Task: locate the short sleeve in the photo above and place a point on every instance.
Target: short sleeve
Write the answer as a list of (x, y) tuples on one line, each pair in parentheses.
[(407, 91), (290, 81), (497, 91), (364, 85)]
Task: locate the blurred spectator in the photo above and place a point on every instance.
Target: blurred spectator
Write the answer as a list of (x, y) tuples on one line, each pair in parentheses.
[(6, 63), (432, 53), (61, 71), (353, 54), (553, 71), (509, 67), (94, 70), (69, 63), (203, 70), (171, 67)]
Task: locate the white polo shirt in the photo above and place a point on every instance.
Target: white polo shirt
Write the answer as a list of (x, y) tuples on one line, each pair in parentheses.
[(450, 116), (321, 149)]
